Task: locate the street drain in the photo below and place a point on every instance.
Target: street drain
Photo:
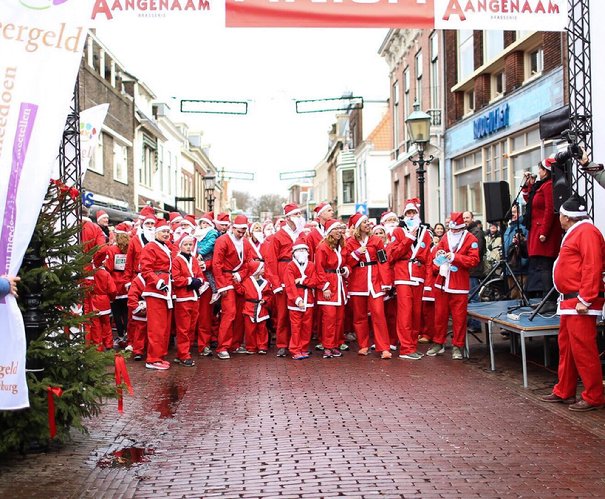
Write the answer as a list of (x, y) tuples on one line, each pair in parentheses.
[(126, 457)]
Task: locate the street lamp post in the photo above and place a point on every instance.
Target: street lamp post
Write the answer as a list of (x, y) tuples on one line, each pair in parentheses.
[(209, 186), (419, 129)]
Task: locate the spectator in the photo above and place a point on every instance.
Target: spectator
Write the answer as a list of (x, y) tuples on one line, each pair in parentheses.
[(8, 285), (493, 245), (515, 251), (476, 272), (438, 232)]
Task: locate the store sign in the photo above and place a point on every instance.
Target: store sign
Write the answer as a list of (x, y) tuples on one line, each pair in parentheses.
[(491, 122), (550, 15)]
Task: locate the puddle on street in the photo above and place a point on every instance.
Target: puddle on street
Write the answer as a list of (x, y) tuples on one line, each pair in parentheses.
[(168, 400), (126, 457)]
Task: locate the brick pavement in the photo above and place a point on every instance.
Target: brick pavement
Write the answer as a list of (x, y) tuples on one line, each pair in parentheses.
[(353, 427)]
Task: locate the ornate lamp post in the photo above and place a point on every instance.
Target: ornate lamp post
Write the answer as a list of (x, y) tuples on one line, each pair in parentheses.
[(209, 186), (419, 130)]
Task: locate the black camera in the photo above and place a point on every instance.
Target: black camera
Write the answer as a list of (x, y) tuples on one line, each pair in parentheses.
[(573, 151)]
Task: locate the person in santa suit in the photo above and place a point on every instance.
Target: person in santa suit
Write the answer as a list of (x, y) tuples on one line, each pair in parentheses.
[(115, 265), (578, 277), (257, 241), (278, 255), (174, 219), (137, 323), (410, 251), (427, 329), (456, 254), (390, 298), (222, 222), (231, 253), (256, 292), (103, 223), (145, 233), (187, 226), (189, 285), (206, 236), (367, 284), (268, 229), (156, 266), (103, 292), (300, 283), (332, 270)]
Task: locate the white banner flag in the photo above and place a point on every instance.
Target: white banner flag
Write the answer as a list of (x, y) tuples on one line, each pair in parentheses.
[(91, 121), (41, 43)]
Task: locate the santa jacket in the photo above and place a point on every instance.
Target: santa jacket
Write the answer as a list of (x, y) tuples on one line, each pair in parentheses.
[(136, 299), (428, 293), (92, 235), (103, 292), (229, 260), (133, 256), (156, 266), (256, 295), (331, 268), (368, 275), (116, 265), (184, 269), (279, 254), (304, 290), (259, 251), (409, 255), (466, 256), (578, 271), (313, 239)]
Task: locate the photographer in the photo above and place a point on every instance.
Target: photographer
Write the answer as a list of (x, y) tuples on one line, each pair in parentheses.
[(515, 249), (544, 231), (594, 169)]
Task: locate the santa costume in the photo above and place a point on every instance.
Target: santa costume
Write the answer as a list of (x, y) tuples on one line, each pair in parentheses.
[(137, 323), (103, 292)]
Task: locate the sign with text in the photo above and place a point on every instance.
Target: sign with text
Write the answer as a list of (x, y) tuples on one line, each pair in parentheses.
[(41, 43), (550, 15)]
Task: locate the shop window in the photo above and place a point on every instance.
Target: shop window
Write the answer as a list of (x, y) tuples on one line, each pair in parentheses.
[(348, 186), (468, 192), (120, 162)]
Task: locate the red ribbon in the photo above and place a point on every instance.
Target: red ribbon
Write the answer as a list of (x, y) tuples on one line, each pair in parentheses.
[(53, 391), (122, 377)]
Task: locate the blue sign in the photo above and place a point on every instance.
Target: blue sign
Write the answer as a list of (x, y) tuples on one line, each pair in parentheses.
[(88, 199), (491, 122), (361, 208)]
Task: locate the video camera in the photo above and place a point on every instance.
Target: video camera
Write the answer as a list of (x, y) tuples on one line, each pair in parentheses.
[(573, 150)]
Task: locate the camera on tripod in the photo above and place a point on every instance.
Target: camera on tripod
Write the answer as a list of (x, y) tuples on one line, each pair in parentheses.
[(573, 150)]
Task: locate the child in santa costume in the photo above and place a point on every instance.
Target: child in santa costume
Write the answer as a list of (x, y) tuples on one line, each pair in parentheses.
[(137, 323), (189, 284), (103, 292), (300, 283), (156, 266), (256, 292), (427, 329), (116, 265)]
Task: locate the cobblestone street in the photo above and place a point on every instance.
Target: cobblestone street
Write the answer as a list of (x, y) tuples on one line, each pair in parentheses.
[(353, 427)]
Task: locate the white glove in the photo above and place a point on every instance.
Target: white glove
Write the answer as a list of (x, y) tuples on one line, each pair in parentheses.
[(237, 277), (444, 269)]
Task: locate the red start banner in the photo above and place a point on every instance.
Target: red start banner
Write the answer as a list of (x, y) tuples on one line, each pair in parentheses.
[(549, 15)]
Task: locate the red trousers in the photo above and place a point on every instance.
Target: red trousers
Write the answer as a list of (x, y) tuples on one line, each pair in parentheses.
[(137, 334), (185, 313), (231, 329), (301, 324), (158, 328), (446, 304), (317, 323), (100, 332), (428, 319), (332, 323), (390, 312), (257, 335), (579, 356), (361, 305), (409, 314), (204, 320), (282, 327)]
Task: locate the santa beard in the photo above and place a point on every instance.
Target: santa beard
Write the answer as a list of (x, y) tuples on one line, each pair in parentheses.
[(149, 233)]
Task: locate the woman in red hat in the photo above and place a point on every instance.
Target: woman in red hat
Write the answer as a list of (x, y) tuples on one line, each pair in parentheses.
[(332, 270), (367, 284)]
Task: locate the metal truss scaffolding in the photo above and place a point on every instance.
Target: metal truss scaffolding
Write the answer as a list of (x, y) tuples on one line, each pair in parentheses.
[(580, 90)]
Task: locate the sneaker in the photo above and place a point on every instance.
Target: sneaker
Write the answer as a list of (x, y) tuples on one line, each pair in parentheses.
[(282, 352), (411, 356), (456, 353), (319, 347), (128, 348), (299, 356), (336, 353), (243, 350), (177, 360), (165, 362), (344, 347), (327, 353), (138, 356), (223, 355), (423, 339), (188, 363), (393, 348), (350, 337), (262, 352), (159, 366), (386, 355), (436, 349), (363, 351), (215, 298), (206, 352)]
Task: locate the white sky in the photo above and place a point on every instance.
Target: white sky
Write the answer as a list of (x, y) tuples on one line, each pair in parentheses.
[(185, 58)]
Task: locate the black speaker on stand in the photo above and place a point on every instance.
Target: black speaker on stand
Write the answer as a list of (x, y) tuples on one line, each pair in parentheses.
[(497, 201)]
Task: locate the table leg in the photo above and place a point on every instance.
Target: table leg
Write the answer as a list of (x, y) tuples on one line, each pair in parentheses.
[(490, 340), (523, 358)]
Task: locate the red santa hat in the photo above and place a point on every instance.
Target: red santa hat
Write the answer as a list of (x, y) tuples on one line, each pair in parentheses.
[(99, 257), (300, 243), (175, 217), (456, 220), (356, 220), (386, 215), (161, 224), (208, 218), (412, 205), (240, 222), (291, 209), (332, 225), (254, 266), (548, 162), (122, 228), (183, 239), (147, 213), (102, 214), (378, 227), (189, 219), (222, 219), (321, 207)]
